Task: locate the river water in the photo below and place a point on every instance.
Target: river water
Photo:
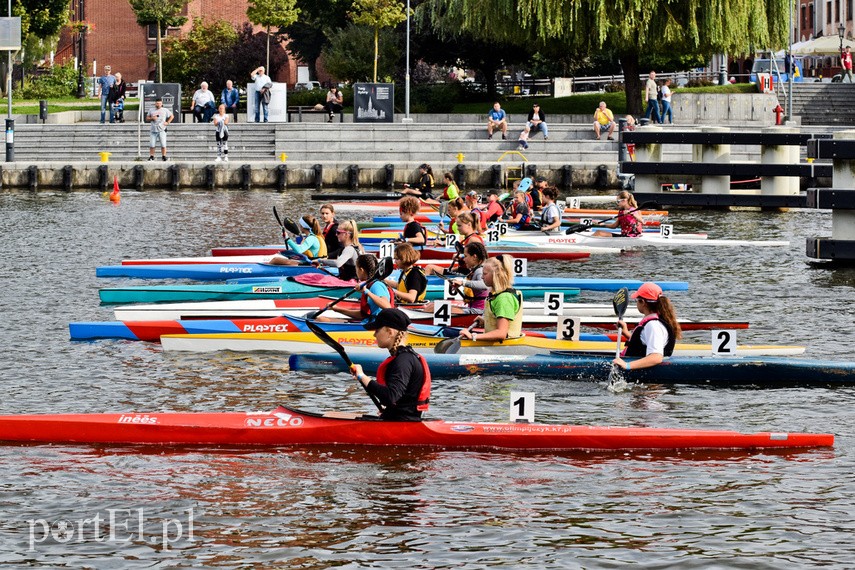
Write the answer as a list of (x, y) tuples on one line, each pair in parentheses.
[(103, 507)]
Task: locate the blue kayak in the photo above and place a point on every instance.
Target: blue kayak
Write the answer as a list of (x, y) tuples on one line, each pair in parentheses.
[(754, 372)]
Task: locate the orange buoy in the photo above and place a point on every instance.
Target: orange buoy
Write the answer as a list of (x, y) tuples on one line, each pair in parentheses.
[(115, 196)]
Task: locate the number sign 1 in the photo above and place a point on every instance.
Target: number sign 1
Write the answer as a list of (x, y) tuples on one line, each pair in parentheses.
[(522, 407), (724, 343), (568, 328), (442, 313), (553, 303), (387, 249)]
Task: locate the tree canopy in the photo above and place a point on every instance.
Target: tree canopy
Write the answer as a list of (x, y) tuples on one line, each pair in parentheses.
[(163, 14), (272, 14), (378, 14)]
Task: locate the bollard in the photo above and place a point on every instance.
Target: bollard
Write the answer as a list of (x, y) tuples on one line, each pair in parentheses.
[(843, 176), (1, 177), (33, 177), (139, 177), (103, 177), (210, 177), (67, 178), (281, 178), (389, 176), (318, 172), (496, 176), (246, 177), (567, 178), (713, 154), (460, 177), (602, 180), (43, 110), (353, 177), (10, 140), (105, 156), (175, 171)]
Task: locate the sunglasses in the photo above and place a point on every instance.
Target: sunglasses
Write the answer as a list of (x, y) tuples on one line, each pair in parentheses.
[(342, 231)]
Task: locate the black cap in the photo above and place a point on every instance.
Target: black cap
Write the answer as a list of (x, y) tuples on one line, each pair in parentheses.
[(540, 179), (392, 318)]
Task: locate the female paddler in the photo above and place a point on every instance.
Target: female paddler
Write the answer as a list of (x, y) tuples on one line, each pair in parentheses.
[(502, 317), (312, 245), (403, 380), (374, 297), (654, 337), (472, 287), (349, 250), (467, 224), (411, 286), (424, 188), (414, 233), (330, 225), (628, 219)]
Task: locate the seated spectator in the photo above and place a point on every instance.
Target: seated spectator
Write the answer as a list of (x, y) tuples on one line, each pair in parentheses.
[(203, 104), (335, 102), (536, 122), (230, 97), (604, 120), (497, 119)]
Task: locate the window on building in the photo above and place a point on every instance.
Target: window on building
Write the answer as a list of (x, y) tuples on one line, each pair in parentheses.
[(828, 14), (849, 10), (152, 32), (810, 19), (836, 10)]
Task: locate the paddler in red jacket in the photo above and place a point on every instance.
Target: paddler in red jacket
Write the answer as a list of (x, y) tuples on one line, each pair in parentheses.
[(403, 380)]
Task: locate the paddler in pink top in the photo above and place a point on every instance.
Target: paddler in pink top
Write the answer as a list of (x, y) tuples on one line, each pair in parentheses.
[(628, 219)]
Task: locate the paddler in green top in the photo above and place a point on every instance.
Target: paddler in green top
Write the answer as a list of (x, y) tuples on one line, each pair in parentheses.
[(503, 312)]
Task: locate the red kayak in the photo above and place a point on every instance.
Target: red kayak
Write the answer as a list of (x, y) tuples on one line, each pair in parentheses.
[(290, 427)]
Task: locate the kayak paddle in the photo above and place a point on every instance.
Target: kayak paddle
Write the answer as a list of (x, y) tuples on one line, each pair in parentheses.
[(384, 269), (619, 302), (331, 342), (576, 228), (452, 345)]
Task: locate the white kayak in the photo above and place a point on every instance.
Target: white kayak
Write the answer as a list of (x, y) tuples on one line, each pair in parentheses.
[(587, 239)]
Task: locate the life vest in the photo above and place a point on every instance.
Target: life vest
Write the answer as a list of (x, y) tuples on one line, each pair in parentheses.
[(629, 226), (445, 193), (524, 219), (534, 198), (461, 246), (490, 319), (475, 300), (636, 348), (423, 400), (365, 310), (482, 217), (402, 283), (421, 230), (322, 247), (426, 185), (543, 221)]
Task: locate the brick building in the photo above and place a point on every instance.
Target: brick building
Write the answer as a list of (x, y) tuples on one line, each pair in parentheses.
[(116, 39)]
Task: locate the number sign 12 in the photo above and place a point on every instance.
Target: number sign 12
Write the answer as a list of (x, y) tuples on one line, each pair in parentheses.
[(522, 407)]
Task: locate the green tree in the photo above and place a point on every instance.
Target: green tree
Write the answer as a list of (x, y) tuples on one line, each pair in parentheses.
[(378, 14), (163, 14), (188, 60), (41, 18), (309, 35), (272, 13), (348, 55), (629, 28)]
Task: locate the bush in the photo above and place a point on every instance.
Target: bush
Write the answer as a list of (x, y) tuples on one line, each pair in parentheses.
[(439, 98), (614, 87), (60, 81), (700, 83), (315, 96)]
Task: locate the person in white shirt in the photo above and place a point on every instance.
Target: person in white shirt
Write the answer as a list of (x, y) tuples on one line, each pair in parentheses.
[(666, 103), (263, 84), (654, 337), (203, 103)]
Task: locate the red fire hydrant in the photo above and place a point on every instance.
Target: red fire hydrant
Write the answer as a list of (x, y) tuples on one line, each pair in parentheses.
[(779, 114)]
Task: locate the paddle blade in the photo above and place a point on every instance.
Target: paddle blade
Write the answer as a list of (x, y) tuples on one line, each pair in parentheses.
[(448, 346), (576, 228), (384, 269), (329, 341), (620, 301), (289, 225)]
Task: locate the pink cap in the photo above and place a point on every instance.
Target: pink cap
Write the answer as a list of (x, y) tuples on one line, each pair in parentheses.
[(648, 291)]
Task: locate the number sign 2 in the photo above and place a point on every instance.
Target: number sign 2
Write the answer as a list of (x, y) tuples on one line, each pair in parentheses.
[(724, 343)]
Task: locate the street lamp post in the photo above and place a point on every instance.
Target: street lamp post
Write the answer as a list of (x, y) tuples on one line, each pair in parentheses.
[(792, 67), (407, 73), (841, 29)]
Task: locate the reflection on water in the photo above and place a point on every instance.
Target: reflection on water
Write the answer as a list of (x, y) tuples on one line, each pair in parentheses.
[(415, 508)]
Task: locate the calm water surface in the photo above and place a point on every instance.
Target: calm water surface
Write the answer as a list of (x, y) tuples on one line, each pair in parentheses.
[(399, 508)]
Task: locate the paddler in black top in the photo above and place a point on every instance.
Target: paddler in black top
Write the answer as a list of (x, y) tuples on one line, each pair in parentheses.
[(403, 380), (413, 233), (656, 333), (411, 286), (330, 225), (424, 188)]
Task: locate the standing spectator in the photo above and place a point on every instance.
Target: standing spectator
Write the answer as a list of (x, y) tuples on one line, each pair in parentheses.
[(846, 64), (651, 91), (221, 130), (335, 102), (117, 99), (666, 103), (497, 119), (105, 82), (230, 97), (263, 85), (159, 118), (604, 120), (203, 104), (536, 122)]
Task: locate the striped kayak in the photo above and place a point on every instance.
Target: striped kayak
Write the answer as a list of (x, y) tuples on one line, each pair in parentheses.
[(299, 343), (281, 289), (207, 271), (650, 217), (530, 253), (291, 427), (758, 372)]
